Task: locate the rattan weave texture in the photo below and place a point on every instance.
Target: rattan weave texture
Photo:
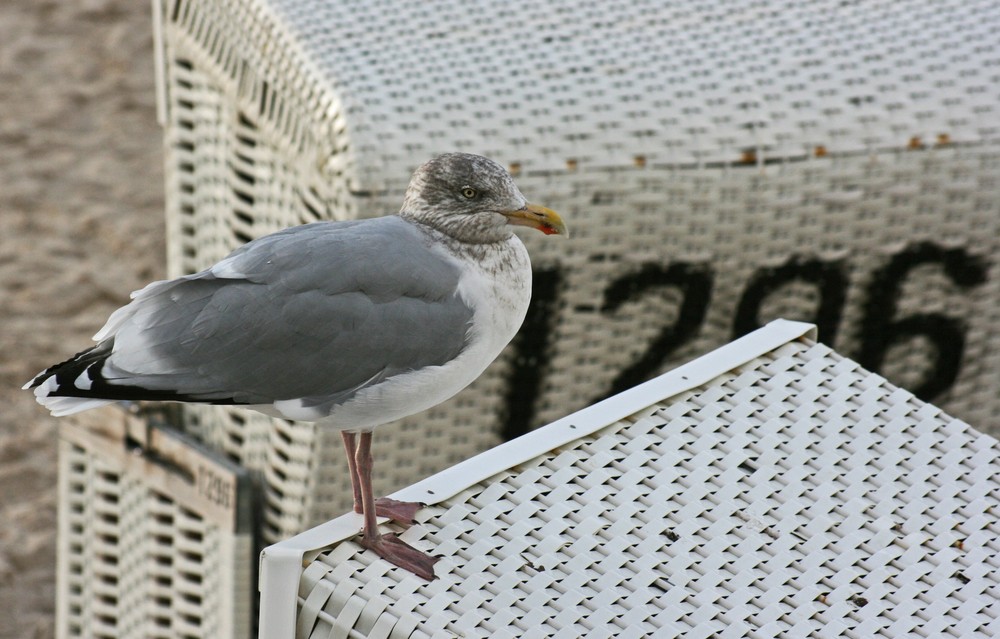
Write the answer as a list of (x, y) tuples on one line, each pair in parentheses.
[(797, 495)]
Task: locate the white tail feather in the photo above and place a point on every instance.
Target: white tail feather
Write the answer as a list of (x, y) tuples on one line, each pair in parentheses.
[(62, 406)]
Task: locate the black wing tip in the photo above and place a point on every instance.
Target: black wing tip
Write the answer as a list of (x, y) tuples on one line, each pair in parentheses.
[(37, 380), (68, 371), (90, 362)]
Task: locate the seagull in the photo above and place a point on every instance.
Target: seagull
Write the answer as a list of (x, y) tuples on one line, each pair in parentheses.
[(351, 324)]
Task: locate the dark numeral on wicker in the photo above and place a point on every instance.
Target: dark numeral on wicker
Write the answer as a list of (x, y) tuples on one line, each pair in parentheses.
[(871, 333)]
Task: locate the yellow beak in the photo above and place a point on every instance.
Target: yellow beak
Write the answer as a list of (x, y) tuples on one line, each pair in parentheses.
[(538, 217)]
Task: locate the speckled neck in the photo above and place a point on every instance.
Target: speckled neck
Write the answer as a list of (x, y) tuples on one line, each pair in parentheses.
[(497, 252), (480, 228)]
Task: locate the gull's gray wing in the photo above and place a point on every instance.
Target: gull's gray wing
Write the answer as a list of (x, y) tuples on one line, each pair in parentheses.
[(317, 311)]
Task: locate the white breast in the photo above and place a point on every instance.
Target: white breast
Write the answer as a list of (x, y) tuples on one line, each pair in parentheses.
[(497, 287)]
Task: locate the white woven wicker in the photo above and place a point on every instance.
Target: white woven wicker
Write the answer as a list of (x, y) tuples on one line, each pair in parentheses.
[(720, 164), (771, 488), (154, 536)]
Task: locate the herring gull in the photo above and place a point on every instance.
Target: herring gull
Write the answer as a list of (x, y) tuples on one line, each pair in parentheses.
[(351, 324)]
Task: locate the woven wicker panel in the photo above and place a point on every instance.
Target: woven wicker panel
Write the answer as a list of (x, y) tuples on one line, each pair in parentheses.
[(598, 82), (227, 184), (797, 495), (720, 164), (867, 247), (138, 557)]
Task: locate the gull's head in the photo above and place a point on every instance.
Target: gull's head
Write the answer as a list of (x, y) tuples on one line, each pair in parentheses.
[(473, 199)]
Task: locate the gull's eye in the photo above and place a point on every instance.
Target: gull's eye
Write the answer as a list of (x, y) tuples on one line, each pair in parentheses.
[(469, 193)]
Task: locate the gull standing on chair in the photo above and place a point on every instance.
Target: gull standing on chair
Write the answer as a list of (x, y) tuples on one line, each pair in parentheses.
[(352, 324)]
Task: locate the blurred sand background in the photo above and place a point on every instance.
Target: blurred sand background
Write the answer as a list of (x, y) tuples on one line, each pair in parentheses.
[(81, 225)]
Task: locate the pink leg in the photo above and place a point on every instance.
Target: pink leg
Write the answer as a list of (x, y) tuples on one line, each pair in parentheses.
[(388, 546), (351, 448), (401, 512)]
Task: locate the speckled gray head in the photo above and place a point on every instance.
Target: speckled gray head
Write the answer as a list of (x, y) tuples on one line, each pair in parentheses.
[(473, 199)]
